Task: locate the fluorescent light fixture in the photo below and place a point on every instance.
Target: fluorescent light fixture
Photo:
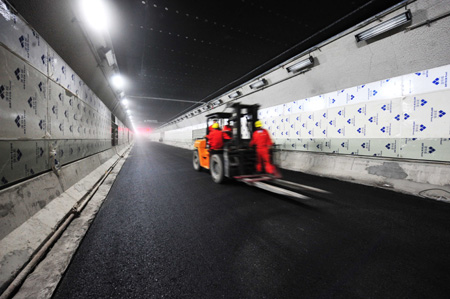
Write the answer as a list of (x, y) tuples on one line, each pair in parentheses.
[(95, 14), (234, 94), (385, 26), (118, 81), (301, 65), (110, 58), (258, 84)]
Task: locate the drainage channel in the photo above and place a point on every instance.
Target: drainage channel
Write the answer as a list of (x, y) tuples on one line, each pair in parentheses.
[(38, 256)]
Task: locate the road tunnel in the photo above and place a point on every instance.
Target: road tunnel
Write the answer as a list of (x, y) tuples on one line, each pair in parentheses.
[(103, 104)]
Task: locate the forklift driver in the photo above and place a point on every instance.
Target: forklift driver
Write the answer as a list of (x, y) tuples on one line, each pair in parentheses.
[(215, 137), (210, 128), (261, 139)]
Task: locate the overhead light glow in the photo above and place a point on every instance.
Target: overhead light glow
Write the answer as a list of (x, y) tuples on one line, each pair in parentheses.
[(95, 14), (118, 81), (124, 102)]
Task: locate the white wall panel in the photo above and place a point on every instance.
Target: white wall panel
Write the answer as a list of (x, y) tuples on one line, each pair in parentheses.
[(426, 81), (315, 103), (426, 115), (19, 159), (384, 89), (17, 36), (373, 119), (23, 92)]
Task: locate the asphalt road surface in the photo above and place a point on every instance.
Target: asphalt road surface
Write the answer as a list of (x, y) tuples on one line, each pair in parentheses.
[(167, 231)]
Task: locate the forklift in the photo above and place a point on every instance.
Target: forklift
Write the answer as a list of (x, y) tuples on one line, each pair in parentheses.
[(236, 160)]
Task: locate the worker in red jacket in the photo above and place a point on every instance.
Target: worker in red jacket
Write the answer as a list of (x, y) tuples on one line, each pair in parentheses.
[(261, 139), (227, 131), (215, 137), (210, 128)]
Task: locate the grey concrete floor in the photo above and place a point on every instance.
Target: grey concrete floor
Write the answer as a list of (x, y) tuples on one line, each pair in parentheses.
[(167, 231)]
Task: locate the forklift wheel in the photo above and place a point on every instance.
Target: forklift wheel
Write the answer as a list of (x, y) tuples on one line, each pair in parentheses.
[(196, 161), (216, 167)]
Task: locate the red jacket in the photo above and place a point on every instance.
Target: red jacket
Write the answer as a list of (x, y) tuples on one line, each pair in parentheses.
[(227, 131), (215, 139), (261, 138)]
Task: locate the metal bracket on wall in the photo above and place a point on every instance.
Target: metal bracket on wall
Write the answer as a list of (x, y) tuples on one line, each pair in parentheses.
[(428, 22)]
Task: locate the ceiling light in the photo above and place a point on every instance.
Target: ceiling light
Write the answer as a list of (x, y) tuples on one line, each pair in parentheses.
[(301, 65), (118, 81), (124, 102), (95, 14), (110, 58), (258, 84), (385, 26), (234, 94)]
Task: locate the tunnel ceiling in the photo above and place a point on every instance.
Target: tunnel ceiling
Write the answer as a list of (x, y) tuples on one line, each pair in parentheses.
[(196, 50)]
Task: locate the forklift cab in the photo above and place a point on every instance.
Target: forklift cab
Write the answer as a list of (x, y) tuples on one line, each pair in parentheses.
[(236, 158)]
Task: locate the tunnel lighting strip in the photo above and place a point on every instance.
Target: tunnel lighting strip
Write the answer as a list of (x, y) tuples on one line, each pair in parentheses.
[(301, 65), (258, 84), (234, 95), (308, 51), (385, 26)]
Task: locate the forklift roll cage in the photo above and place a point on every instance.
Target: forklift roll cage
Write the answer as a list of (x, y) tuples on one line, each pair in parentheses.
[(236, 159)]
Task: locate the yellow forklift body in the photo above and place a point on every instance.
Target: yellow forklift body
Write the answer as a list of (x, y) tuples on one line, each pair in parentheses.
[(203, 153)]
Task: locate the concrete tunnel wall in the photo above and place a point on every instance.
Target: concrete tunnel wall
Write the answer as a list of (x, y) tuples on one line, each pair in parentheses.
[(374, 112), (50, 119)]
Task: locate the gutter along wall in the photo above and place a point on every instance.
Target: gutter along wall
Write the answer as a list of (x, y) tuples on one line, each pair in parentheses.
[(375, 112)]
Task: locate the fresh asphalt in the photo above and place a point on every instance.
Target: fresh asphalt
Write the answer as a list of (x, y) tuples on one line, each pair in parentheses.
[(167, 231)]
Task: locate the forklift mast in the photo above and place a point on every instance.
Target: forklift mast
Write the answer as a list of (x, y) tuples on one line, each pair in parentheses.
[(240, 110)]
